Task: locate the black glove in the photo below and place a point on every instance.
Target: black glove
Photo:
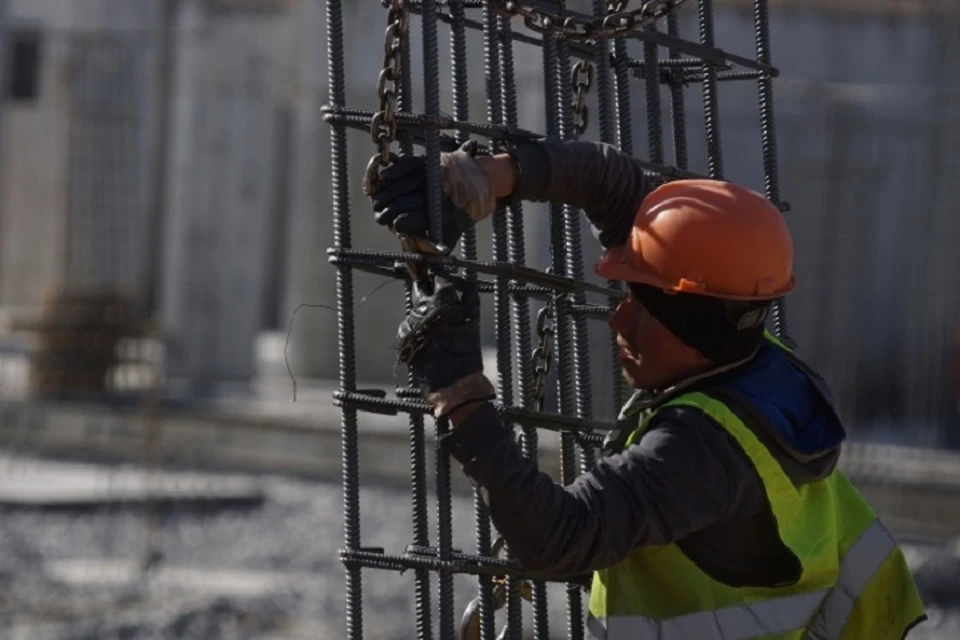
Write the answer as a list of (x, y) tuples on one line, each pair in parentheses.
[(401, 201), (440, 341)]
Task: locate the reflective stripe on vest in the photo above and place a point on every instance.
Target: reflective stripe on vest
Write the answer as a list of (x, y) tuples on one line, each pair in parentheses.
[(858, 567), (825, 611)]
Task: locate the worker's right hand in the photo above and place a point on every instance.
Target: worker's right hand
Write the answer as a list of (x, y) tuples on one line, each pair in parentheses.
[(401, 201), (439, 339)]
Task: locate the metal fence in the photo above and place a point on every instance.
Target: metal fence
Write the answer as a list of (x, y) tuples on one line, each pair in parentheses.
[(581, 52)]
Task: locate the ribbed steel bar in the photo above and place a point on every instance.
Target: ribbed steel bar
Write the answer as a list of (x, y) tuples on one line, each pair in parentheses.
[(621, 63), (711, 106), (499, 269), (494, 90), (606, 119), (695, 51), (461, 112), (557, 98), (380, 404), (340, 205), (573, 261), (624, 116), (426, 558), (768, 136), (606, 105), (405, 98), (520, 307), (677, 102), (421, 535), (419, 506), (431, 98), (431, 106), (461, 103), (418, 456), (360, 119)]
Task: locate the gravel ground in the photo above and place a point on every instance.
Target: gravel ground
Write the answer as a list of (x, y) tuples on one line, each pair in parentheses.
[(260, 573)]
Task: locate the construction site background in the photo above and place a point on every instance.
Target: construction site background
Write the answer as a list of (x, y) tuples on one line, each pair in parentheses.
[(165, 209)]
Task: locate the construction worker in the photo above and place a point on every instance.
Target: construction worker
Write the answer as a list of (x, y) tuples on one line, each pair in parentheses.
[(717, 510)]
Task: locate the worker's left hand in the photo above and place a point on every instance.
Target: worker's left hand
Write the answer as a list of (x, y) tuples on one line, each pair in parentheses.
[(467, 197), (440, 341)]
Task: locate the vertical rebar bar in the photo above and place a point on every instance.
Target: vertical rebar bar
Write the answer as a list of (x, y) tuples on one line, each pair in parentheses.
[(431, 99), (431, 106), (418, 456), (444, 532), (652, 90), (501, 302), (557, 99), (461, 111), (461, 108), (607, 107), (711, 107), (677, 100), (768, 136), (421, 535), (573, 263), (405, 99), (520, 304), (625, 143), (624, 116), (340, 206)]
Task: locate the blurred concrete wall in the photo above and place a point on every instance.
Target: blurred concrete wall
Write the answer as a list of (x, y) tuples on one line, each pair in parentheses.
[(45, 143), (231, 96), (211, 191), (868, 124), (75, 173)]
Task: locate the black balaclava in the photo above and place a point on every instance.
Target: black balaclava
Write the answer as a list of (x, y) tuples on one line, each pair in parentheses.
[(725, 331)]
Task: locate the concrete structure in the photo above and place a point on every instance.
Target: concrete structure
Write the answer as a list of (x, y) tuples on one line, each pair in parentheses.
[(75, 168), (151, 157), (226, 185)]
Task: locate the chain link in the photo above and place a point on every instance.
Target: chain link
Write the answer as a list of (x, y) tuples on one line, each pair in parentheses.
[(616, 24), (383, 126), (543, 354), (581, 80)]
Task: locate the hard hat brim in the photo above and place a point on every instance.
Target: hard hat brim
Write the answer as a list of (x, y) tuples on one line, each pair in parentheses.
[(613, 265)]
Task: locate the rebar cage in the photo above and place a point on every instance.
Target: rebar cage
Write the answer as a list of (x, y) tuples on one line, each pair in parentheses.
[(582, 52)]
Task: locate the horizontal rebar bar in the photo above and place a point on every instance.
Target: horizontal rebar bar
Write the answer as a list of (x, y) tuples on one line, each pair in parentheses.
[(455, 563), (713, 55), (405, 120), (561, 284), (596, 311), (375, 401)]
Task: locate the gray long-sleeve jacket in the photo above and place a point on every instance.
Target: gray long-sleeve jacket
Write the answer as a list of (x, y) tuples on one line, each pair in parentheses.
[(685, 481)]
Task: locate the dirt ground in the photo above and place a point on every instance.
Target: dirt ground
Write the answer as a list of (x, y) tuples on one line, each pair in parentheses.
[(261, 572)]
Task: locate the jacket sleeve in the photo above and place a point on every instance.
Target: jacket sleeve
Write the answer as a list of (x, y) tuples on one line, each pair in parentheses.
[(684, 474), (596, 177)]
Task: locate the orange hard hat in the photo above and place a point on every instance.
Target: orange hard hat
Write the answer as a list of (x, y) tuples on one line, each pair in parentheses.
[(706, 237)]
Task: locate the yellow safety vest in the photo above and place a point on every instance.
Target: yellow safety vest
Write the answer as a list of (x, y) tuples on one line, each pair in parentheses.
[(854, 584)]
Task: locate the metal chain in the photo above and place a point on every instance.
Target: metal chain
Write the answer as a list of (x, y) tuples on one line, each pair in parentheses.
[(383, 126), (581, 80), (616, 24), (543, 354)]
